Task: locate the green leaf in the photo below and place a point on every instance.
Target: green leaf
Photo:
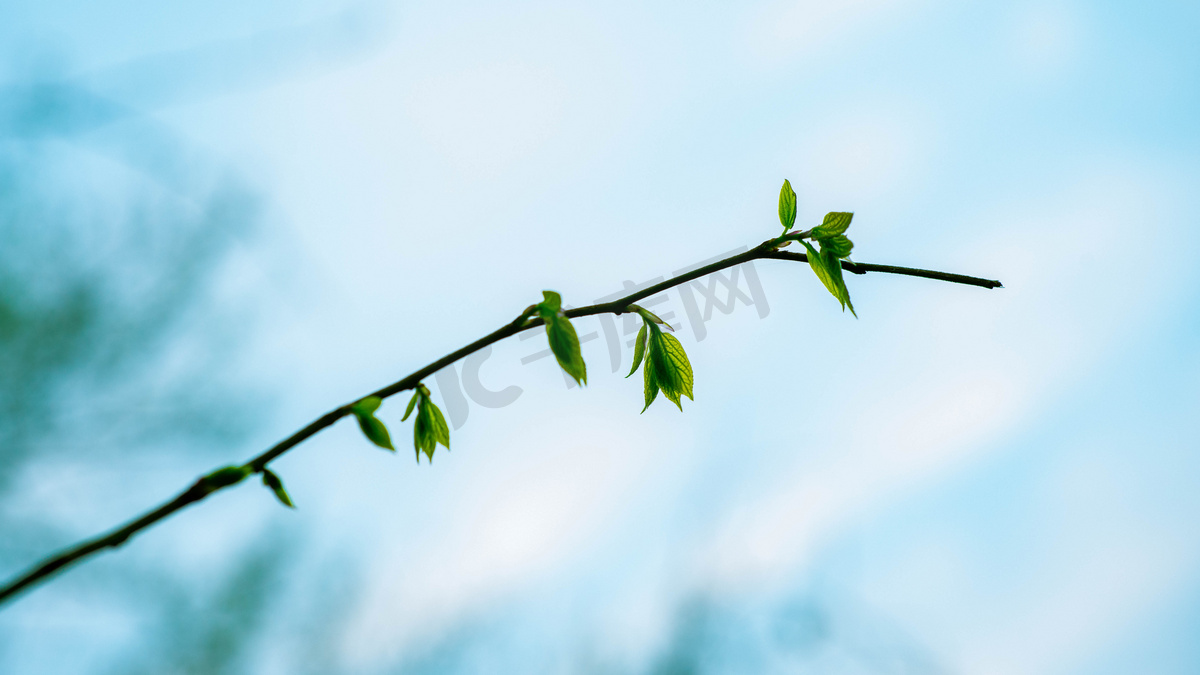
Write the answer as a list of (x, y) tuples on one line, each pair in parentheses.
[(787, 206), (272, 481), (672, 370), (372, 428), (564, 342), (225, 476), (838, 244), (835, 270), (817, 263), (441, 431), (649, 385), (375, 431), (565, 345), (423, 440), (639, 350), (412, 403), (835, 223), (366, 406), (551, 303), (829, 270)]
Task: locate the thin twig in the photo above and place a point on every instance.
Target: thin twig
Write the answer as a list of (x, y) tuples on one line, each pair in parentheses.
[(203, 487)]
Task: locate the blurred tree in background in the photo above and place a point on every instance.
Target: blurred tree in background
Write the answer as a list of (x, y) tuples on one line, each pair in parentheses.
[(116, 348)]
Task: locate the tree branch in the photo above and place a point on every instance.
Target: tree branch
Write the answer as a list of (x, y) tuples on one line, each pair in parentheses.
[(206, 485)]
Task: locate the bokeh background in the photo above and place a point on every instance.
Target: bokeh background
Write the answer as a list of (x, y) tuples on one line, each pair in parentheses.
[(220, 219)]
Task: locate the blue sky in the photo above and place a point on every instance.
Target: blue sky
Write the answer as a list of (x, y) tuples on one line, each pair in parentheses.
[(966, 480)]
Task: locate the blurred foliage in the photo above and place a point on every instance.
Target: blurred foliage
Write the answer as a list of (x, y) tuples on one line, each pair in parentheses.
[(109, 334), (213, 633), (115, 341), (801, 634)]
